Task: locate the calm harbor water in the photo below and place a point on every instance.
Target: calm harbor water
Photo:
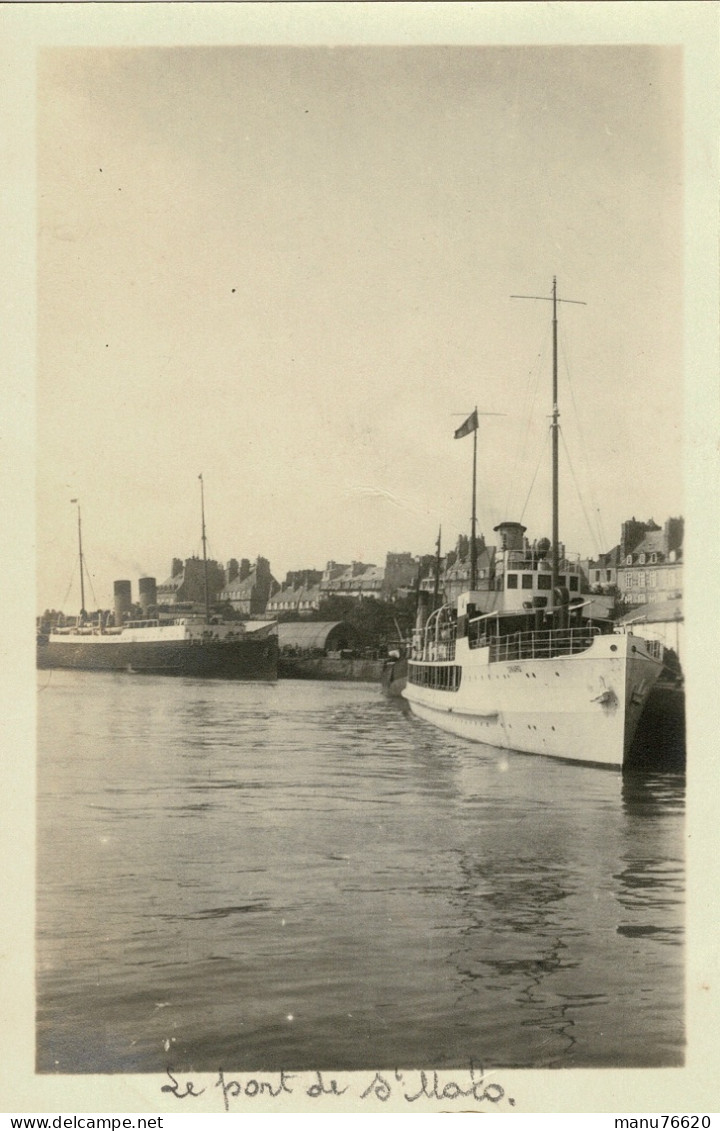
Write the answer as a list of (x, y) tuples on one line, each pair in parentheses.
[(301, 876)]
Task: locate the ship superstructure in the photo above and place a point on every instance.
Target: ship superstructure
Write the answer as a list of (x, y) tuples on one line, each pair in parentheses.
[(527, 663)]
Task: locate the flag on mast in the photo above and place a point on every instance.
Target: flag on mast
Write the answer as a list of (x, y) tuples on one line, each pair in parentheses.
[(469, 426)]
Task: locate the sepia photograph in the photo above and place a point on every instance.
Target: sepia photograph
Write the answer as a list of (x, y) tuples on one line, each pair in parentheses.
[(360, 759)]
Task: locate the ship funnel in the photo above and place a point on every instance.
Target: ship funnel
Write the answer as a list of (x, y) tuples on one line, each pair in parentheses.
[(147, 588), (510, 535), (123, 600)]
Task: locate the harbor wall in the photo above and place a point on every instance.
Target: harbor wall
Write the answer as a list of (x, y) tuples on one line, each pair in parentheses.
[(330, 668)]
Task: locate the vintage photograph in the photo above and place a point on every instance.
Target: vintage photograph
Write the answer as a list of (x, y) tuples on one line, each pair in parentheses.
[(360, 510)]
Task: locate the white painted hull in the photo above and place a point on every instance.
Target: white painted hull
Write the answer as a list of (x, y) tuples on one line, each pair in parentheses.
[(581, 708)]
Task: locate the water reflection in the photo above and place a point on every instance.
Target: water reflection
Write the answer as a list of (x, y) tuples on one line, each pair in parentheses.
[(650, 884), (652, 795)]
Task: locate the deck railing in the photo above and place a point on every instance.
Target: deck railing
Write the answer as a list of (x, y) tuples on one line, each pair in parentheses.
[(542, 645), (435, 642), (434, 650)]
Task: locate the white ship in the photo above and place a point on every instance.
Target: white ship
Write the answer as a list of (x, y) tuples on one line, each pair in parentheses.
[(522, 664)]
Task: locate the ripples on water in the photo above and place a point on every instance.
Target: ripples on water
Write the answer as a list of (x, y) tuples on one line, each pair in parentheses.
[(301, 876)]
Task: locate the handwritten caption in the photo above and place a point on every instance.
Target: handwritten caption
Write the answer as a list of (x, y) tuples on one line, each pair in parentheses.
[(404, 1087)]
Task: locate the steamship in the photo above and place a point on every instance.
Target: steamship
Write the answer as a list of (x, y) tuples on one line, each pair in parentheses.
[(522, 664), (186, 645), (192, 644)]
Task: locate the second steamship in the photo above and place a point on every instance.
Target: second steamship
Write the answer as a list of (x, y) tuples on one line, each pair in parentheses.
[(190, 644)]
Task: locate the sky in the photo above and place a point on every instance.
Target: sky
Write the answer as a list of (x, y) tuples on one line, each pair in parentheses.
[(290, 269)]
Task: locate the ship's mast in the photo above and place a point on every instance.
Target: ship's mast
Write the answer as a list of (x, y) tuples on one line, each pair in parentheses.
[(555, 474), (204, 546), (83, 613), (555, 428), (473, 521), (471, 425)]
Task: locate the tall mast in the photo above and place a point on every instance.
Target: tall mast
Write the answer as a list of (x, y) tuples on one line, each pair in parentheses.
[(82, 568), (204, 546), (555, 427), (471, 425), (473, 523)]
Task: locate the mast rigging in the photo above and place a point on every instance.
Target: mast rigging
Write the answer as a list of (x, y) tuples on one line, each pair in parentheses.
[(204, 546), (83, 613), (555, 428)]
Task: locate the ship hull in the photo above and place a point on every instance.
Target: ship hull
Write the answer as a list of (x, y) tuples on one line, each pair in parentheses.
[(394, 677), (211, 659), (580, 708), (659, 742)]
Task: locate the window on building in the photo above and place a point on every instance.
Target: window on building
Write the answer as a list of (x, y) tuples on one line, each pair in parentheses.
[(511, 582), (544, 581), (527, 581), (574, 584), (608, 575)]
